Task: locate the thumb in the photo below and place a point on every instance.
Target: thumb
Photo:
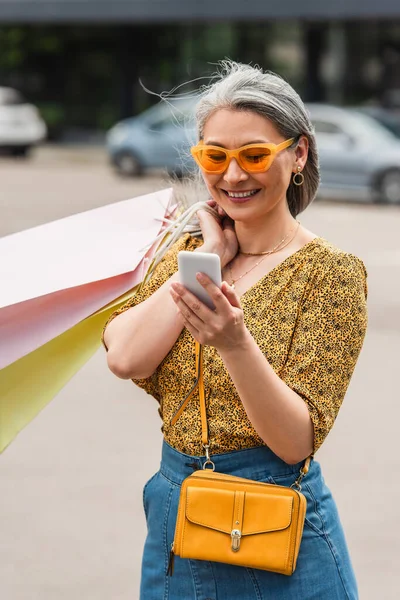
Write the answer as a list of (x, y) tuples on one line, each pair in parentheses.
[(230, 294)]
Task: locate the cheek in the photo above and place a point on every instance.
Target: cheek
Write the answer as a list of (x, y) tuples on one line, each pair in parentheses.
[(278, 177), (211, 181), (285, 171)]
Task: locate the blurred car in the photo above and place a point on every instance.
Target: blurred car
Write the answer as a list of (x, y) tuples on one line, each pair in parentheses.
[(21, 126), (160, 137), (387, 118), (359, 157)]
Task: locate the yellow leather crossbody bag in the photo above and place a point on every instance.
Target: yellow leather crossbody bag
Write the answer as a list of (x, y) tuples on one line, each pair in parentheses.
[(233, 520)]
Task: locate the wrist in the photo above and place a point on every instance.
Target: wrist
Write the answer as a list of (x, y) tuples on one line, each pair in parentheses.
[(206, 248), (239, 348)]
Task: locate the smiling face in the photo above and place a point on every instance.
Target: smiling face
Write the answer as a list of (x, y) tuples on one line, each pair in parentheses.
[(249, 196)]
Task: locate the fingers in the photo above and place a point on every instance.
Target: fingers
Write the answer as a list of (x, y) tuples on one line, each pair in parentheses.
[(231, 295), (219, 220), (221, 300), (190, 307), (205, 217), (202, 215), (195, 333), (207, 326), (210, 227), (221, 212), (191, 321), (213, 204)]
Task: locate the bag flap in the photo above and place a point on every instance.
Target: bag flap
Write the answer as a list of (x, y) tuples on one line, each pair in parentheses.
[(213, 508)]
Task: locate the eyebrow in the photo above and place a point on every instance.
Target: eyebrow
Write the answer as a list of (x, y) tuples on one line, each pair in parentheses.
[(212, 143)]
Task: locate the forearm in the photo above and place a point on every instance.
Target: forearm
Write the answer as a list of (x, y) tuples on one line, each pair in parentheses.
[(278, 414), (141, 337)]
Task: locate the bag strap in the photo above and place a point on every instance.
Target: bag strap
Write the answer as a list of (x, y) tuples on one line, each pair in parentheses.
[(199, 384)]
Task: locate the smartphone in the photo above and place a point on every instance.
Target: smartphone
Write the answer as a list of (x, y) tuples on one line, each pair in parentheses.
[(190, 263)]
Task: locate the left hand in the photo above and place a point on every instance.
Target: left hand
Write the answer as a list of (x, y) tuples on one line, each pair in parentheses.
[(223, 327), (218, 234)]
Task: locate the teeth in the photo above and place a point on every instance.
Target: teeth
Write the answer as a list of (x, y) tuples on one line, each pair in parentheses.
[(241, 194)]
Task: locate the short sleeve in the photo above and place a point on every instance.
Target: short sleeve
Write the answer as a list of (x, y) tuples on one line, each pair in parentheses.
[(327, 340), (163, 271)]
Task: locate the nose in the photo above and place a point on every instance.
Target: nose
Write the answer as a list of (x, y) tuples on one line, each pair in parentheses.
[(234, 173)]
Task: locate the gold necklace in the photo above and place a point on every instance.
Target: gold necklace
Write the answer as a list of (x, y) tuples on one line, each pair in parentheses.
[(267, 252), (233, 281)]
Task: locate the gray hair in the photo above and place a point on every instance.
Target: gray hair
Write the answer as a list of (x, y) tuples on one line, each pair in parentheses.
[(247, 88)]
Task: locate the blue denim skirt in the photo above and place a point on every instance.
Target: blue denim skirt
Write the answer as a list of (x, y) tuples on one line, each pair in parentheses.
[(323, 572)]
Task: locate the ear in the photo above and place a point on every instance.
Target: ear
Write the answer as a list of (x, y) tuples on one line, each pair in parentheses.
[(301, 153)]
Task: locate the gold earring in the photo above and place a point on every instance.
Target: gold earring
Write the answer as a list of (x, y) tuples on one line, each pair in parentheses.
[(296, 175)]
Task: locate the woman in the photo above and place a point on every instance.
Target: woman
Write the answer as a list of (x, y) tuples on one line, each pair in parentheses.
[(279, 349)]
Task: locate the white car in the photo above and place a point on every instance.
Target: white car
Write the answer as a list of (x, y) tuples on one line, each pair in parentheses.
[(21, 125), (359, 157)]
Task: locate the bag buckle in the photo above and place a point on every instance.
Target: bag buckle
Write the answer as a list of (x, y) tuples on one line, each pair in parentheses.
[(236, 534), (303, 472), (208, 460)]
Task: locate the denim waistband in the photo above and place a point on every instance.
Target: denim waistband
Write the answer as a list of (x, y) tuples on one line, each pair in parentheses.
[(252, 463)]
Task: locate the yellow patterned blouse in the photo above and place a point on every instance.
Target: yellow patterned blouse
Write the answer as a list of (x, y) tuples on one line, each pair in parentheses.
[(308, 316)]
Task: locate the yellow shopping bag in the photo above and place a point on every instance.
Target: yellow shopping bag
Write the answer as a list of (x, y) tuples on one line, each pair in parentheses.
[(30, 383)]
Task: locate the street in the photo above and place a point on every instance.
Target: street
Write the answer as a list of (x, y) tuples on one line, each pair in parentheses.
[(71, 518)]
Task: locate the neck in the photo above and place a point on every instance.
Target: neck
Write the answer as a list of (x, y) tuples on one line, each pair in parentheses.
[(264, 234)]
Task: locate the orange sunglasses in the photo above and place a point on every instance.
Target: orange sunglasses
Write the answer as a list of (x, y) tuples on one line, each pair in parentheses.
[(253, 158)]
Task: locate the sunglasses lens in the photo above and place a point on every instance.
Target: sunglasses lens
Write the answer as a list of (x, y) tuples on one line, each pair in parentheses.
[(212, 159), (256, 159)]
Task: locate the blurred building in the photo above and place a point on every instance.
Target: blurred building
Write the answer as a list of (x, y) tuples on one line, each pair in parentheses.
[(82, 61)]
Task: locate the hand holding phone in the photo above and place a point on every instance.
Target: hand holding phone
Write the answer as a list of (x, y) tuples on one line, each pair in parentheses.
[(190, 263)]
